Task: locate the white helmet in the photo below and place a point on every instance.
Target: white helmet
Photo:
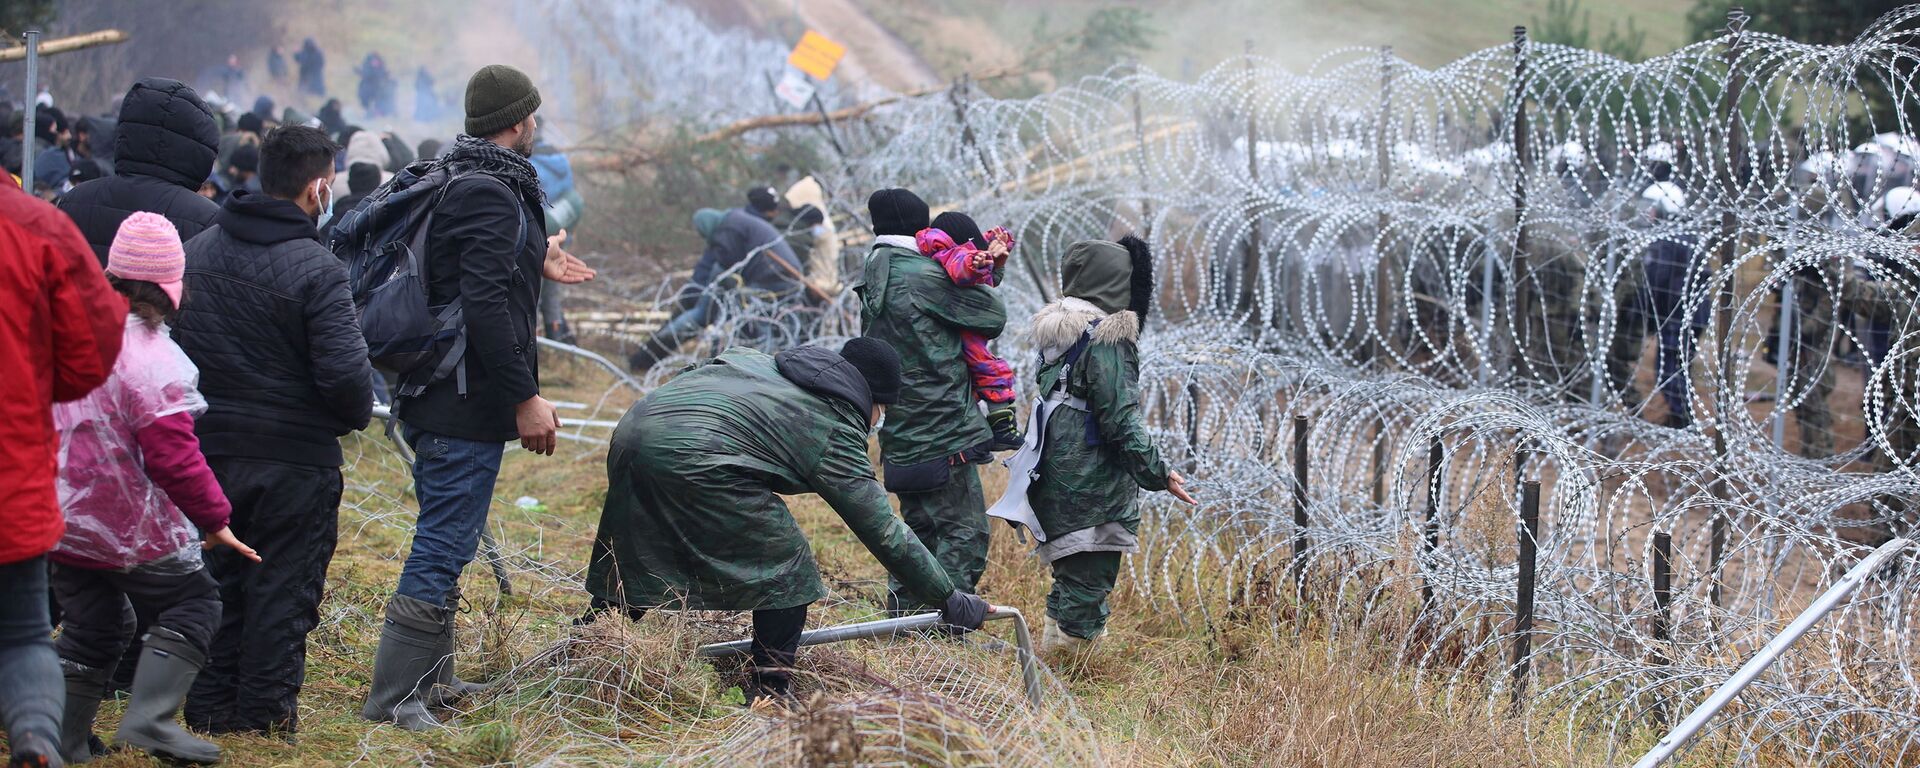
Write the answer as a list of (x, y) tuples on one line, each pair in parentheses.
[(1901, 202), (1665, 196), (1659, 152), (1574, 155)]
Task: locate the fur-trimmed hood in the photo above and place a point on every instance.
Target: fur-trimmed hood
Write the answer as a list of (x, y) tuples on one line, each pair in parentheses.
[(1057, 326)]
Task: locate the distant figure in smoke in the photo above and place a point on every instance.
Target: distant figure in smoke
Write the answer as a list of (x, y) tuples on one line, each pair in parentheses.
[(426, 105), (277, 64), (376, 86), (313, 68), (233, 78), (331, 120)]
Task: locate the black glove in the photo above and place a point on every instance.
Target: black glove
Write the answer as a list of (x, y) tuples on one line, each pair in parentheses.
[(963, 611)]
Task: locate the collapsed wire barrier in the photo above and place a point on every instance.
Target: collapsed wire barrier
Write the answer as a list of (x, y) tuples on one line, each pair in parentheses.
[(1427, 275)]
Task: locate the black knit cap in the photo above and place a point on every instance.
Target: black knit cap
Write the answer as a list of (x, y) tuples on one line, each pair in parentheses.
[(362, 178), (763, 199), (897, 212), (878, 364), (961, 228), (498, 97)]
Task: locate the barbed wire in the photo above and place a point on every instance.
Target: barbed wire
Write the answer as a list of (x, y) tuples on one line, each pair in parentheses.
[(1467, 258)]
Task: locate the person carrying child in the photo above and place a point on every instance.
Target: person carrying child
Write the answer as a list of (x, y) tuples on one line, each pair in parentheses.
[(971, 258), (134, 487)]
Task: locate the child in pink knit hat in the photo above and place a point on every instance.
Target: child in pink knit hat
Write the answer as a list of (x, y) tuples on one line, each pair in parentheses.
[(137, 495)]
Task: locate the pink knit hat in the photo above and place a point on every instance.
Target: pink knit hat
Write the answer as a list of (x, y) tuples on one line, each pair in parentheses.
[(147, 247)]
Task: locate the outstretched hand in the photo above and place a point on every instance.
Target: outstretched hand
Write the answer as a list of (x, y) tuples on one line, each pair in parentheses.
[(563, 267), (1177, 486)]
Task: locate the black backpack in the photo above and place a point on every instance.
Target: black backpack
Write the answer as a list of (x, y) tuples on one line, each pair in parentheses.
[(383, 242)]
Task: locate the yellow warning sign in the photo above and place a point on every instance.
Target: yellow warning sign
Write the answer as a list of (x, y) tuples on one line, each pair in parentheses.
[(816, 55)]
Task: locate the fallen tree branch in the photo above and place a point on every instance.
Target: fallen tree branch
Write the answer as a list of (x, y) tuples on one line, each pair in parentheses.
[(764, 122), (67, 44)]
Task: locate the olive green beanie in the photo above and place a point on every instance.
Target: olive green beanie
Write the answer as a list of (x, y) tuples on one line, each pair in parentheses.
[(499, 97)]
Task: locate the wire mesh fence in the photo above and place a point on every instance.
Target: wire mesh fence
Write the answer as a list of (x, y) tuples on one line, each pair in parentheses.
[(1678, 295)]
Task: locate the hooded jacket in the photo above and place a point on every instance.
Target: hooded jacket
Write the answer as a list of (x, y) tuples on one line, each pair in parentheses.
[(273, 330), (364, 147), (695, 474), (908, 301), (164, 147), (1081, 485)]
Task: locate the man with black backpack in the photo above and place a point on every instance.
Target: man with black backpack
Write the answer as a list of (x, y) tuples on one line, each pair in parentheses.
[(283, 365), (483, 251)]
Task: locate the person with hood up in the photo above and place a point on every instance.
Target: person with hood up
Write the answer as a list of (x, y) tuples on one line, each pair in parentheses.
[(376, 86), (63, 333), (694, 518), (137, 494), (165, 144), (331, 118), (313, 68), (1097, 453), (362, 147), (822, 251), (936, 433)]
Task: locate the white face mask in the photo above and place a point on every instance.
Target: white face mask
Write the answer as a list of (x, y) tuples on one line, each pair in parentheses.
[(323, 195)]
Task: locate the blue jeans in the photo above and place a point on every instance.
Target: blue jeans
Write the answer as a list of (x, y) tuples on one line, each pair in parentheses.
[(453, 479), (32, 691)]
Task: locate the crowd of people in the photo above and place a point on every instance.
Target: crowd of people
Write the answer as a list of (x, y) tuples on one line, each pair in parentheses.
[(173, 481)]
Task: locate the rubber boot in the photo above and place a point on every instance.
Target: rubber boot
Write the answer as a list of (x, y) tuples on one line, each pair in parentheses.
[(86, 686), (448, 688), (1057, 645), (411, 647), (168, 664)]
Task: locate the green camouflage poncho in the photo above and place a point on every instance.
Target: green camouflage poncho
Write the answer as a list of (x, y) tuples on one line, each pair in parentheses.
[(908, 301), (694, 470)]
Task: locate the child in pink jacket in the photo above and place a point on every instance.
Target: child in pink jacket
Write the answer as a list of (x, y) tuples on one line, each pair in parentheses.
[(972, 258), (138, 495)]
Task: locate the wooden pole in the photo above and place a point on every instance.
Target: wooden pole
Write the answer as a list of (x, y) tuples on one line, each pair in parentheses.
[(65, 45), (1250, 258), (1517, 270), (1663, 608)]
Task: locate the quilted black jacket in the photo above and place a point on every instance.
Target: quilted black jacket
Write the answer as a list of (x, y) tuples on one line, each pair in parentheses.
[(164, 148), (269, 321)]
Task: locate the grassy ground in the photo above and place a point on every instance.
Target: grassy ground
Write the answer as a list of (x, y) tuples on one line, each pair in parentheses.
[(1250, 688)]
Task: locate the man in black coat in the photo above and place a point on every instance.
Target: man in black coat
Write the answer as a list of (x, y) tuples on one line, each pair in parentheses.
[(283, 366), (487, 250), (164, 147)]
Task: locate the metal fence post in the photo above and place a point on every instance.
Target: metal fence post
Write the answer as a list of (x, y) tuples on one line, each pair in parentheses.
[(1430, 535), (1250, 259), (1663, 610), (1300, 543), (1523, 598), (1728, 402), (1517, 264), (33, 104)]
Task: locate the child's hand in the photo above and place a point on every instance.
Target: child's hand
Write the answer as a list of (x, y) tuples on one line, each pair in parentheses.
[(224, 538), (981, 261)]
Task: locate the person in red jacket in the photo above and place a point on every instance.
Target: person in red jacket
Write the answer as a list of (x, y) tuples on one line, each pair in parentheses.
[(59, 341)]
